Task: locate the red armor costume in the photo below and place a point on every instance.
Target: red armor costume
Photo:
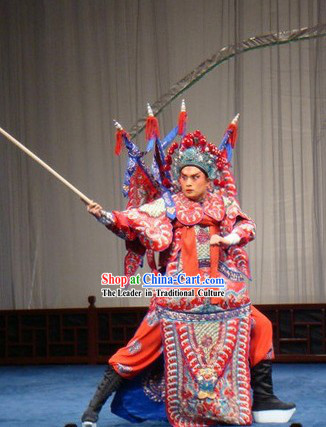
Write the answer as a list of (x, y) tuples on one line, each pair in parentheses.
[(205, 339), (155, 231)]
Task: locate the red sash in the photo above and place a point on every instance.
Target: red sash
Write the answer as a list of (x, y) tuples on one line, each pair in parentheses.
[(189, 251)]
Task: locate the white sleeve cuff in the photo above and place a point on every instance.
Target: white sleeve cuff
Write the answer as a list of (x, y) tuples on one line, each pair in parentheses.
[(233, 238)]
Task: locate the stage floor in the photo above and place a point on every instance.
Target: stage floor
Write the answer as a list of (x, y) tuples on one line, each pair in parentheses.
[(51, 396)]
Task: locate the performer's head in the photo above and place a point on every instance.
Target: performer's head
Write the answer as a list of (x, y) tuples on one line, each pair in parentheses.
[(194, 165), (194, 182)]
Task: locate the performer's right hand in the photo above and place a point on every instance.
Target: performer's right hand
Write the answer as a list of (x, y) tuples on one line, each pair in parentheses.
[(95, 209)]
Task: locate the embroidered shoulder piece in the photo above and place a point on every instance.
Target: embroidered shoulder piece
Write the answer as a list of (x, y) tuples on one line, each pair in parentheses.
[(214, 206), (233, 208), (154, 209)]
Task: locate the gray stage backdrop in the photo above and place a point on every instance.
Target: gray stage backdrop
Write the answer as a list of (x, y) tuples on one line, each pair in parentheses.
[(68, 67)]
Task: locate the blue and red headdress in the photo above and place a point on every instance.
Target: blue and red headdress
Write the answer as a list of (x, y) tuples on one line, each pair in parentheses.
[(175, 151)]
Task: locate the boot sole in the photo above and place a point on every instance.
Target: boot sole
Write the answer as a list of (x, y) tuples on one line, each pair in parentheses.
[(273, 416)]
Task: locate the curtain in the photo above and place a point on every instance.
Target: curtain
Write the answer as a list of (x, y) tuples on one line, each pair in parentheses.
[(68, 67)]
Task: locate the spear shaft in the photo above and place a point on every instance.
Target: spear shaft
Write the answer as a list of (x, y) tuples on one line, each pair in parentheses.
[(46, 166)]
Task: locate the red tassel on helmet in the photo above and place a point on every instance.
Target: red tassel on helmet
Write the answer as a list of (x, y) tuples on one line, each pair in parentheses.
[(120, 133), (118, 141), (182, 119), (152, 128), (182, 122), (233, 127)]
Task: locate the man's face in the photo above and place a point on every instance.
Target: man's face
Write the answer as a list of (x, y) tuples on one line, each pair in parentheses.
[(194, 183)]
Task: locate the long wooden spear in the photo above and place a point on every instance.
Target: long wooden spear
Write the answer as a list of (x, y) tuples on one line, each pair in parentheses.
[(46, 166)]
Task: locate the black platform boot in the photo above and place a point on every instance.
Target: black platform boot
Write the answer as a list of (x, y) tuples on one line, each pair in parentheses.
[(110, 383), (267, 408)]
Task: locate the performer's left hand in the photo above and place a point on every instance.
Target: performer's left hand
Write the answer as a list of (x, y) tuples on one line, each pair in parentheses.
[(218, 240)]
